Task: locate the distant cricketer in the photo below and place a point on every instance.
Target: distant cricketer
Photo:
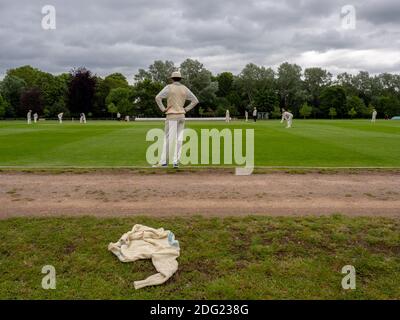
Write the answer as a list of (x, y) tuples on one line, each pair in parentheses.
[(288, 117)]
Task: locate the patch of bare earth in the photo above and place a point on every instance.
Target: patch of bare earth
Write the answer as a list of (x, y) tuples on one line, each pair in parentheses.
[(207, 193)]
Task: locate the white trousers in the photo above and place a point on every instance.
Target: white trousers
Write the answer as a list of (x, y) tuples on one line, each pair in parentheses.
[(289, 123), (29, 121), (173, 138)]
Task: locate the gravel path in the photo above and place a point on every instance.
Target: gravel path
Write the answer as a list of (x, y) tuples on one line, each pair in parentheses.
[(206, 193)]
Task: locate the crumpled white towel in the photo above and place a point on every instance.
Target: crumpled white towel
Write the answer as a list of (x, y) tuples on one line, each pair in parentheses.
[(143, 242)]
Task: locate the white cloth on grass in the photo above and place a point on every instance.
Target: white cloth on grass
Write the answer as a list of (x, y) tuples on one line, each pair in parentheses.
[(143, 242)]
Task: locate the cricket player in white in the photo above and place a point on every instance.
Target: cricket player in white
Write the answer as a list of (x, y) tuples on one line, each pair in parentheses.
[(227, 117), (35, 117), (255, 114), (246, 115), (82, 118), (288, 117), (60, 116), (29, 116), (176, 95), (374, 113)]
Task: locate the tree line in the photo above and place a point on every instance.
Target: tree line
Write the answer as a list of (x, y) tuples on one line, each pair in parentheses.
[(308, 93)]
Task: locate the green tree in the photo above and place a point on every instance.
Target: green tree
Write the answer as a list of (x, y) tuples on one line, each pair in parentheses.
[(352, 113), (388, 105), (305, 110), (265, 100), (3, 107), (143, 95), (121, 99), (332, 112), (290, 86), (276, 113), (358, 105), (11, 89), (333, 97), (225, 84), (112, 108), (159, 71), (315, 79), (254, 78), (27, 73), (199, 80)]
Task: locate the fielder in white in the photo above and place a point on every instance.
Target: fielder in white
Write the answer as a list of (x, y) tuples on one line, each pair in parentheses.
[(227, 116), (60, 116), (176, 95), (35, 117), (29, 116), (82, 118), (288, 117), (246, 115), (374, 114)]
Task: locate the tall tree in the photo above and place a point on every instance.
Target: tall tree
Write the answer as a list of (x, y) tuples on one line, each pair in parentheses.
[(334, 97), (225, 84), (290, 86), (143, 98), (31, 99), (27, 73), (11, 89), (81, 91), (254, 78), (121, 99), (315, 79), (159, 71), (199, 81), (3, 107)]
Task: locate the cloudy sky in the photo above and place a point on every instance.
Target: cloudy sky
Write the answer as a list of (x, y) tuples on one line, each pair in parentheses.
[(125, 35)]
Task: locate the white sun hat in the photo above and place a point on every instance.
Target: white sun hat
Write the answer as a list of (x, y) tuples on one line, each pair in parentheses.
[(176, 74)]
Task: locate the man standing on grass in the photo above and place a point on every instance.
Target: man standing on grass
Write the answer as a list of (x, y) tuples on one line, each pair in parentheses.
[(288, 117), (60, 116), (35, 117), (255, 114), (176, 95), (29, 117), (227, 116), (374, 113), (246, 115)]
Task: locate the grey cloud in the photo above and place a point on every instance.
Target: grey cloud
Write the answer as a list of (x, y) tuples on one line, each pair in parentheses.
[(125, 35)]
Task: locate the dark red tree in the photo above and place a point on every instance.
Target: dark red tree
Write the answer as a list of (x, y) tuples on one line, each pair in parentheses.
[(81, 91), (31, 99)]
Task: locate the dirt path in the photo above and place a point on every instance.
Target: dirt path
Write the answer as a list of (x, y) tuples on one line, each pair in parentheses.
[(111, 194)]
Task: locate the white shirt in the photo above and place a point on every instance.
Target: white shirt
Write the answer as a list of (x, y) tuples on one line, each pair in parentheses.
[(254, 112), (287, 115)]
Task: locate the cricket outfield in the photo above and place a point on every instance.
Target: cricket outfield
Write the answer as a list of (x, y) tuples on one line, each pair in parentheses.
[(310, 143)]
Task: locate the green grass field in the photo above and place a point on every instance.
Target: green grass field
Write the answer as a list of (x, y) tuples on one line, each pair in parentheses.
[(310, 143), (221, 258)]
